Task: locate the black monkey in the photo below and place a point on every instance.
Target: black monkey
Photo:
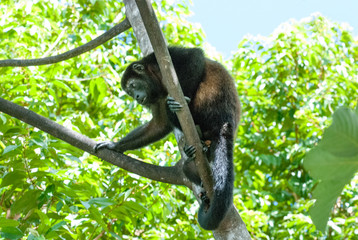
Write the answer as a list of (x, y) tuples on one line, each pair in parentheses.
[(214, 105)]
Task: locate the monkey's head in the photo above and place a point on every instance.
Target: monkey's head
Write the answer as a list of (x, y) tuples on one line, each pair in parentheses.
[(143, 82)]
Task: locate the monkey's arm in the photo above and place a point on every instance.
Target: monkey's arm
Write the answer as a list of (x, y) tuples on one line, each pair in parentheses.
[(144, 135)]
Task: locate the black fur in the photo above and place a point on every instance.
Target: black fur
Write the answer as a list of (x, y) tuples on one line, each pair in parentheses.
[(214, 105)]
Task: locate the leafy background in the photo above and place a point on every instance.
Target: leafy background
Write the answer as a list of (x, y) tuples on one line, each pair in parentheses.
[(290, 83)]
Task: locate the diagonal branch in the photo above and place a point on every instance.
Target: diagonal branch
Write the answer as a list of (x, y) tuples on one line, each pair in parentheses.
[(170, 81), (172, 175), (119, 28)]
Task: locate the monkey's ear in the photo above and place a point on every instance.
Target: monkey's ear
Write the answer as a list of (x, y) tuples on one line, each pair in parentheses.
[(155, 71), (138, 68)]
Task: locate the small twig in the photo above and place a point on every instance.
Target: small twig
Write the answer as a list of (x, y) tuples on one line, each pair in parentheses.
[(100, 235), (55, 43)]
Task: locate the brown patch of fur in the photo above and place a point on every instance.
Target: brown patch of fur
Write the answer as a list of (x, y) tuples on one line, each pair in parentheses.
[(216, 89)]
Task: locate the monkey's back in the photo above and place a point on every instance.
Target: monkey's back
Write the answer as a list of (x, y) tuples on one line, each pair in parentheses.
[(216, 101)]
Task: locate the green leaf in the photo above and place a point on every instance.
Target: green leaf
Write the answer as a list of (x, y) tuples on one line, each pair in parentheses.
[(59, 206), (27, 202), (334, 162), (62, 85), (11, 233), (13, 178), (102, 202), (56, 226), (270, 160), (3, 119), (98, 89), (134, 206), (9, 149), (54, 95), (96, 215), (341, 139), (8, 222)]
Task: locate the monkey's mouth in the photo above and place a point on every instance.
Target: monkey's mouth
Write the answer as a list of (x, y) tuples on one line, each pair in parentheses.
[(142, 101)]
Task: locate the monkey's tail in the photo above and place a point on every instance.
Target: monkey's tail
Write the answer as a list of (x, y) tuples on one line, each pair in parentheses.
[(210, 217)]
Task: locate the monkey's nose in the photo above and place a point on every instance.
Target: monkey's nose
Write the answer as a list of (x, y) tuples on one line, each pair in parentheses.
[(140, 98)]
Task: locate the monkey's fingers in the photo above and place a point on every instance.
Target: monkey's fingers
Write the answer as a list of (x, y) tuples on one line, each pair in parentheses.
[(190, 151), (173, 105)]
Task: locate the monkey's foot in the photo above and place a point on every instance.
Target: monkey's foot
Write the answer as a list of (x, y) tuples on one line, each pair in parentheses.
[(107, 144), (204, 198)]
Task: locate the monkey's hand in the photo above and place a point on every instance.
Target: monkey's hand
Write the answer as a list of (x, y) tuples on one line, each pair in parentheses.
[(174, 106), (109, 145)]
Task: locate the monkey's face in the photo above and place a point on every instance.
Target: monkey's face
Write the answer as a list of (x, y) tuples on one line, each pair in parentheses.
[(137, 89), (136, 83), (143, 82)]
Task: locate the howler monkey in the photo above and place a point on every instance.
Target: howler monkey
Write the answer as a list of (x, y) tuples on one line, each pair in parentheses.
[(214, 105)]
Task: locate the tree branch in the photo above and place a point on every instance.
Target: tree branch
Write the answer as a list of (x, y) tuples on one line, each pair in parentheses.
[(232, 227), (134, 18), (172, 84), (119, 28), (172, 175)]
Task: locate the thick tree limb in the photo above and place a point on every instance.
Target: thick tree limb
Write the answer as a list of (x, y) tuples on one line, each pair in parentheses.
[(172, 175), (119, 28), (232, 227), (172, 84), (133, 15)]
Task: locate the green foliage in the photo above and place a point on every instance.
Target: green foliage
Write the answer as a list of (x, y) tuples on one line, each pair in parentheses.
[(289, 84), (334, 161), (51, 190)]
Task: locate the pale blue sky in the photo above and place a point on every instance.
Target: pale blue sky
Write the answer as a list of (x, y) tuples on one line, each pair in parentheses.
[(226, 22)]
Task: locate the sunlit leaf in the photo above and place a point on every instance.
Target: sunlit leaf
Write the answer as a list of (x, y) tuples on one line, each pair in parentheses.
[(62, 85), (13, 178), (102, 202), (8, 222), (9, 149), (334, 162)]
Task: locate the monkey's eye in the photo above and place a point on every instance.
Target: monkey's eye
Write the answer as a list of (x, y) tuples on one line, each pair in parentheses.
[(132, 85), (138, 67)]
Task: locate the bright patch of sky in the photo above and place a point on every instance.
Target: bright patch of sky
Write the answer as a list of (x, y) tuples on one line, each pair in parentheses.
[(226, 22)]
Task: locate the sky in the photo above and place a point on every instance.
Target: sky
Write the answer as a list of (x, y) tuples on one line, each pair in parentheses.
[(226, 22)]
